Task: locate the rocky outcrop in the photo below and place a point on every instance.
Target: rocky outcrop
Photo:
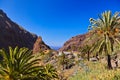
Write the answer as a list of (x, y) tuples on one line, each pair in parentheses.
[(75, 43), (39, 46), (11, 34)]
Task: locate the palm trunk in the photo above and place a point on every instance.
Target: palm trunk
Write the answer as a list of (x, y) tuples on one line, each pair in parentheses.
[(116, 61), (97, 57), (109, 62), (88, 56)]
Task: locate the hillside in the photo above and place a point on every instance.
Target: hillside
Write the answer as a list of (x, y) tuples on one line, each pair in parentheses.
[(11, 34), (74, 43)]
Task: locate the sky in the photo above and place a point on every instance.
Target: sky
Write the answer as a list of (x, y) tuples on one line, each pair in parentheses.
[(56, 21)]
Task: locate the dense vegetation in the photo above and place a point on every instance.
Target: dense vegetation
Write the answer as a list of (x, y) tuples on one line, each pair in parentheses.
[(21, 64)]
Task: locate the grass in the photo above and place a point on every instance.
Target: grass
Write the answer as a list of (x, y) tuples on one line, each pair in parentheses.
[(95, 71)]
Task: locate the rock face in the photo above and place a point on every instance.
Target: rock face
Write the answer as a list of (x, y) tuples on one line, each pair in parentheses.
[(75, 43), (11, 34), (39, 45)]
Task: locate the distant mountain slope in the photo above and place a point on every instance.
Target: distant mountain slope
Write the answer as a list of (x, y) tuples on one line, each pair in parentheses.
[(74, 43), (11, 34)]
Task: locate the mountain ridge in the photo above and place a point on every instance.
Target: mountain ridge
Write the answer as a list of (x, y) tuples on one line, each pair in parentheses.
[(12, 34), (75, 43)]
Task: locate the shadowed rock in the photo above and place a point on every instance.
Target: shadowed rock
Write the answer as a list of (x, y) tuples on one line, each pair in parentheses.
[(11, 34)]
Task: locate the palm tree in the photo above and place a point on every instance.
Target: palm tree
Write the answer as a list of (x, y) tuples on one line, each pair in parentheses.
[(61, 60), (105, 33), (86, 50), (18, 64)]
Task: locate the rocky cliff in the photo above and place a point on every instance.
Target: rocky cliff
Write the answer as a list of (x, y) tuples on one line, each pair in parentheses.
[(11, 34), (75, 43), (39, 46)]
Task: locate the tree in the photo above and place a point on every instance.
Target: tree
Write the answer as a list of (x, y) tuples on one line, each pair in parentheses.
[(86, 50), (66, 61), (18, 64), (105, 32), (62, 60)]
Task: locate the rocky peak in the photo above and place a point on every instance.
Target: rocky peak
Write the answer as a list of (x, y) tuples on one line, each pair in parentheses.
[(39, 46), (39, 40), (2, 14)]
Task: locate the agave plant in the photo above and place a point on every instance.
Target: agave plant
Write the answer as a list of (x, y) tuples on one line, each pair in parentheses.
[(47, 72), (106, 32), (18, 64)]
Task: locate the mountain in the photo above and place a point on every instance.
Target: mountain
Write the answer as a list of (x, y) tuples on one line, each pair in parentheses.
[(39, 45), (75, 43), (11, 34)]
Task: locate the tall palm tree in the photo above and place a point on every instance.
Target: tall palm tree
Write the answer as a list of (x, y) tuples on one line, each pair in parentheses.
[(18, 64), (106, 32)]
